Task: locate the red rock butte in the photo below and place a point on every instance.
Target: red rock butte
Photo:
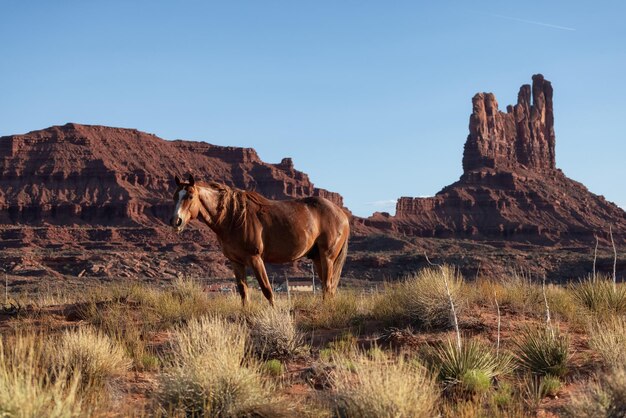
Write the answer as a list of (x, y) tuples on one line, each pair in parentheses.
[(510, 188)]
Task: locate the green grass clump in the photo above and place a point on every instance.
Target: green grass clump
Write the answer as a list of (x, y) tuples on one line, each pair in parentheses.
[(469, 370), (273, 367), (543, 351)]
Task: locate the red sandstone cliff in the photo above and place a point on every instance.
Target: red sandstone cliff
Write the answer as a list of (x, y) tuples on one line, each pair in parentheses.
[(95, 175), (510, 188)]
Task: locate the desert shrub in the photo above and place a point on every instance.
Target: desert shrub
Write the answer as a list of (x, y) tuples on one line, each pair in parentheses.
[(600, 297), (366, 387), (608, 338), (273, 334), (93, 354), (543, 351), (209, 374), (469, 370), (422, 299), (29, 388), (605, 397)]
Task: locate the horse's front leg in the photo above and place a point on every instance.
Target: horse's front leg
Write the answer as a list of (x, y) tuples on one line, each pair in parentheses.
[(242, 285), (261, 275)]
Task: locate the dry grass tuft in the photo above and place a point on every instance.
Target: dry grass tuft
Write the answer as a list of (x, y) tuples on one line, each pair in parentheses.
[(345, 309), (422, 299), (29, 387), (273, 334), (209, 374), (92, 354), (608, 338), (370, 386)]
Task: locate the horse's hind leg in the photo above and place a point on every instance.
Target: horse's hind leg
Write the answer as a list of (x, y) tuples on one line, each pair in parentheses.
[(326, 276), (242, 285), (261, 275), (318, 271)]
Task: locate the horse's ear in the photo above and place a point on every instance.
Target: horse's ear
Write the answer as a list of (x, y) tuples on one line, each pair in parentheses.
[(191, 180), (177, 180)]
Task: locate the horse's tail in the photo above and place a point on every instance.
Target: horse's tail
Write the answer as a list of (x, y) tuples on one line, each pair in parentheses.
[(338, 265)]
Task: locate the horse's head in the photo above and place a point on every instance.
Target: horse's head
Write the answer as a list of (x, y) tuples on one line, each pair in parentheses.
[(187, 203)]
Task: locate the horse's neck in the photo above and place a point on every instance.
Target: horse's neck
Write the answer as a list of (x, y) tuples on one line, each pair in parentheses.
[(209, 204)]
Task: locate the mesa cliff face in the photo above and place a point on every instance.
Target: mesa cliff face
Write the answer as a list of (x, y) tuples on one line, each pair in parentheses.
[(510, 188), (95, 175)]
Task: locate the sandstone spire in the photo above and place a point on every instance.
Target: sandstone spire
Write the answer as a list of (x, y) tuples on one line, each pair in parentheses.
[(523, 137)]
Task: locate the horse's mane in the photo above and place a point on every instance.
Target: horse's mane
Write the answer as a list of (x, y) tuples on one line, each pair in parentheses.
[(235, 205)]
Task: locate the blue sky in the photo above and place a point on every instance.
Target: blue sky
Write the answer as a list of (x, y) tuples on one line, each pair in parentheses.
[(370, 98)]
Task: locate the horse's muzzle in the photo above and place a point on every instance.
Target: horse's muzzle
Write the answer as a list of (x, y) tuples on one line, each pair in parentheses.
[(176, 222)]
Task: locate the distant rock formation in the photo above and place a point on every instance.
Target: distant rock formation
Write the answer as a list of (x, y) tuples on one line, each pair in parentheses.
[(521, 138), (510, 188)]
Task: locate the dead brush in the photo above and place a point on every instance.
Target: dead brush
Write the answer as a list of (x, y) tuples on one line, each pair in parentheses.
[(603, 397)]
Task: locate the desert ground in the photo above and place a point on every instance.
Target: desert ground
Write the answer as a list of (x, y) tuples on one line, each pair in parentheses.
[(433, 344)]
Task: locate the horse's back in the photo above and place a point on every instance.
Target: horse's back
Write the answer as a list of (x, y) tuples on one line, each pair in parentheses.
[(292, 226)]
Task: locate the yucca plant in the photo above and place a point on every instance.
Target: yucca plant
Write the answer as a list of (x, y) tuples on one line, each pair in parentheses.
[(543, 351), (600, 296), (470, 368)]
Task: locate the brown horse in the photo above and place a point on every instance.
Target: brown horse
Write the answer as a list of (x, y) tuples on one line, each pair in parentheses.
[(253, 230)]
